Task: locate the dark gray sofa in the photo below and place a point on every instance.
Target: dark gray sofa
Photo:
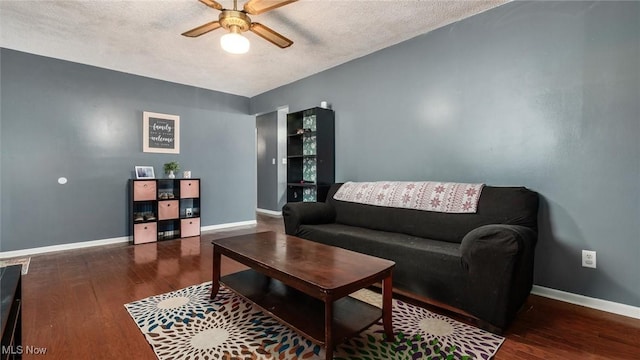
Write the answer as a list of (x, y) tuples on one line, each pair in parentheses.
[(480, 263)]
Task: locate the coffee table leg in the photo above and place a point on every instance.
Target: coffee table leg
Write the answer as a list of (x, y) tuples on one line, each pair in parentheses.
[(328, 325), (387, 306), (215, 278)]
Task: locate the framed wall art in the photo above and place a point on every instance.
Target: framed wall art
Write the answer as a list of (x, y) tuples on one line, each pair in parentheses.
[(160, 133), (145, 172)]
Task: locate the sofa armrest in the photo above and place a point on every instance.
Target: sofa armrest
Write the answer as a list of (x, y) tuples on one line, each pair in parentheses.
[(310, 213), (490, 245), (499, 262)]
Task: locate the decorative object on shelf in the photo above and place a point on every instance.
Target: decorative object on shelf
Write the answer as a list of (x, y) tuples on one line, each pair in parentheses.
[(186, 174), (309, 145), (170, 168), (166, 196), (309, 170), (309, 122), (144, 172), (309, 194), (160, 133), (324, 105), (143, 216)]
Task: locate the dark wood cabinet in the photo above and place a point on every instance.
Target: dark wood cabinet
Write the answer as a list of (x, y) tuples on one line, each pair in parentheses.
[(162, 209), (310, 154), (11, 311)]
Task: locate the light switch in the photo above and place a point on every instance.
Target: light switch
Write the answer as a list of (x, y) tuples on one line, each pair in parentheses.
[(273, 161)]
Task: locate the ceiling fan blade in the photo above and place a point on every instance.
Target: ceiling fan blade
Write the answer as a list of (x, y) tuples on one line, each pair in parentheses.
[(255, 7), (202, 29), (212, 4), (270, 35)]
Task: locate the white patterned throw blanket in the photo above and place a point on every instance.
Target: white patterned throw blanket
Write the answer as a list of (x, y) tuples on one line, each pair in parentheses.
[(423, 195)]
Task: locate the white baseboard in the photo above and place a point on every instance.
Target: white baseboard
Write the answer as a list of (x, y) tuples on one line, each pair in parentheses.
[(102, 242), (62, 247), (269, 212), (228, 225), (598, 304)]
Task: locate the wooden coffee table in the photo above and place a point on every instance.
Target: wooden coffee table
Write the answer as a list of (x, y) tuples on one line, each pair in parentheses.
[(305, 284)]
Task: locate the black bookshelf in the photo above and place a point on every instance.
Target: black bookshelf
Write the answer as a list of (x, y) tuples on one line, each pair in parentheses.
[(310, 154)]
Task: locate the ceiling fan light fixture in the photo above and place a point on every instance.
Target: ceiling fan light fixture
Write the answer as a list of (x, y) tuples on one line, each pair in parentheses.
[(237, 21), (234, 42)]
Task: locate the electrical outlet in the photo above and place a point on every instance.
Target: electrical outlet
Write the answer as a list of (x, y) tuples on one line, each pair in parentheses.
[(589, 258)]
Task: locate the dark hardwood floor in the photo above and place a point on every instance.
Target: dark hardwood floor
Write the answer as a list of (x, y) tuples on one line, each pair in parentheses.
[(74, 304)]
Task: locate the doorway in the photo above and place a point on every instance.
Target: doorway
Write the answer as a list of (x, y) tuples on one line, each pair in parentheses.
[(271, 147)]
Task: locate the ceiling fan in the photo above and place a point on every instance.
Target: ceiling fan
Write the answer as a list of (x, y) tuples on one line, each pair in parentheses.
[(237, 21)]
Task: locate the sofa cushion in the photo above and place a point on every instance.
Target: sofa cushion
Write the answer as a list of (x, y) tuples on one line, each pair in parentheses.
[(497, 205), (429, 267)]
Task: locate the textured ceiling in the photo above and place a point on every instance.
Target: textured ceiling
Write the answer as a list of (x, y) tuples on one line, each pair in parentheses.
[(143, 37)]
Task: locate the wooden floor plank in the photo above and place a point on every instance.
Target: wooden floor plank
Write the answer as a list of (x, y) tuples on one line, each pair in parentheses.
[(74, 304)]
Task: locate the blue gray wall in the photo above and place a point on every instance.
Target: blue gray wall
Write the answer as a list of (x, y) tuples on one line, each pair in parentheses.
[(65, 119), (540, 94)]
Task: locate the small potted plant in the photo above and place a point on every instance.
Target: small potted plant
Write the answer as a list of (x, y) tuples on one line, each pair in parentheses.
[(170, 168)]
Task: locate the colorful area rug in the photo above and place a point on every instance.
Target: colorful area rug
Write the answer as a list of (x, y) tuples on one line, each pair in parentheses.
[(17, 261), (185, 324)]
